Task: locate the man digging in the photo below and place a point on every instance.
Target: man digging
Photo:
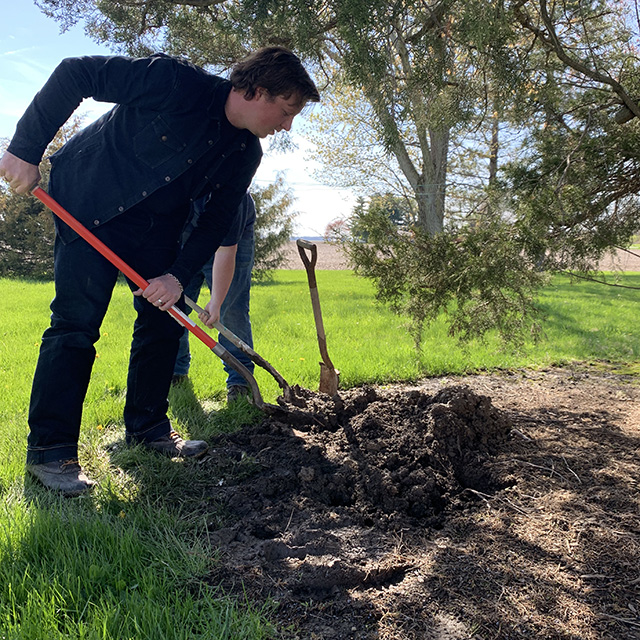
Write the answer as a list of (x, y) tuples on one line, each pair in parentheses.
[(175, 134)]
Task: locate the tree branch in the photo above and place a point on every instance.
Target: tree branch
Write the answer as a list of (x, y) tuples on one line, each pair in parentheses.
[(552, 42)]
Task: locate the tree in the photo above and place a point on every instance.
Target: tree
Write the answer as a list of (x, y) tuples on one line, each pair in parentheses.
[(479, 276), (574, 192), (26, 226), (403, 58), (335, 229), (273, 228), (488, 114), (26, 237), (397, 211), (561, 201)]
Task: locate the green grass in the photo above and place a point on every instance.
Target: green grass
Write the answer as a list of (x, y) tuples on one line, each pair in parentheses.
[(128, 561)]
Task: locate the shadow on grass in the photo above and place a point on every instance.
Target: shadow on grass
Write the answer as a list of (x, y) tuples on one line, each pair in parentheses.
[(185, 405)]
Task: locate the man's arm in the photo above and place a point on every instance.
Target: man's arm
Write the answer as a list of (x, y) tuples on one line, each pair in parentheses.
[(142, 82), (224, 265)]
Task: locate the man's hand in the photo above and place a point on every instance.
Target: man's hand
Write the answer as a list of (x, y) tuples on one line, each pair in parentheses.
[(162, 292), (22, 176), (224, 265), (211, 312)]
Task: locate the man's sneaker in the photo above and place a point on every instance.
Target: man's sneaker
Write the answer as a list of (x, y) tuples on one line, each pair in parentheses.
[(174, 446), (236, 391), (65, 476)]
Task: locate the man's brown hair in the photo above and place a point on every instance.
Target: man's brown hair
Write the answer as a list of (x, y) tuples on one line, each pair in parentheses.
[(277, 70)]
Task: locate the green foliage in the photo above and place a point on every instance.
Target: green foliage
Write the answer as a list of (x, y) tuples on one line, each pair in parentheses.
[(26, 237), (398, 211), (26, 233), (568, 200), (273, 228), (423, 100), (478, 275)]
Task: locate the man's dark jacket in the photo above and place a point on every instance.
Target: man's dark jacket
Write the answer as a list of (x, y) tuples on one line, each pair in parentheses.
[(167, 116)]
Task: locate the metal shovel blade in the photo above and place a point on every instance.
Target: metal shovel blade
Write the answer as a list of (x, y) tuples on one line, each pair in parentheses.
[(329, 378)]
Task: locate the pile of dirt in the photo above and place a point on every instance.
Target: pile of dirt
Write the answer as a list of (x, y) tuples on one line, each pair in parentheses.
[(330, 484), (495, 507)]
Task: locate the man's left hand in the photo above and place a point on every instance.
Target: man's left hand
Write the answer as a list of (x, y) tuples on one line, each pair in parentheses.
[(163, 292)]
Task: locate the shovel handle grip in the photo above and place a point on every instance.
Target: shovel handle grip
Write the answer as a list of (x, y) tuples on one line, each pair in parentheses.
[(309, 263)]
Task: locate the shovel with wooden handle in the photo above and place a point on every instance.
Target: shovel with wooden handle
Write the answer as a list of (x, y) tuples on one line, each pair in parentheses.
[(287, 392), (329, 376)]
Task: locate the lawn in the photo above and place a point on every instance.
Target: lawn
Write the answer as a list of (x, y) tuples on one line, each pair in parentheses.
[(128, 561)]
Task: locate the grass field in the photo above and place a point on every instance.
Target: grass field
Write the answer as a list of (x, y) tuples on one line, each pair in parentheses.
[(127, 561)]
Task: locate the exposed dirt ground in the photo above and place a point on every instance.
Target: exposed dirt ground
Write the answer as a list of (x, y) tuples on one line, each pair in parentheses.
[(488, 507), (331, 257)]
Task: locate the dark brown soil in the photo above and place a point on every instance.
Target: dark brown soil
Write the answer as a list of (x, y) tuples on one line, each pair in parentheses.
[(489, 507)]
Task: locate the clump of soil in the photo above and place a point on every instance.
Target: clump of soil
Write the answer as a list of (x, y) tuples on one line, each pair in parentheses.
[(379, 457)]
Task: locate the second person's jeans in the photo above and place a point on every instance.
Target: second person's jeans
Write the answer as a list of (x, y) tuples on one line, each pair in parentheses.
[(234, 313)]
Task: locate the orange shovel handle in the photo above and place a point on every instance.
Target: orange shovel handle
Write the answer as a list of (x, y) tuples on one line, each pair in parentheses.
[(130, 273)]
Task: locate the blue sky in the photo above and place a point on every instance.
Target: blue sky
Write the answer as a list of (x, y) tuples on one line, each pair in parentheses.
[(31, 45)]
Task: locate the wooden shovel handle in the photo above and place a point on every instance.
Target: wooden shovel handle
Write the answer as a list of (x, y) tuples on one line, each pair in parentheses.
[(309, 264)]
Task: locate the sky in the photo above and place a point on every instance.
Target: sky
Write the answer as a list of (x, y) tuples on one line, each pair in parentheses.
[(31, 45)]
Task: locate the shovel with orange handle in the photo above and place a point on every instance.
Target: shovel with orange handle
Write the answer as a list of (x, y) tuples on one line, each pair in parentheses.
[(178, 315)]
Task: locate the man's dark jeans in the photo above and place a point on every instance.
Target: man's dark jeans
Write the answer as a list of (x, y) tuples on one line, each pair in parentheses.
[(84, 285)]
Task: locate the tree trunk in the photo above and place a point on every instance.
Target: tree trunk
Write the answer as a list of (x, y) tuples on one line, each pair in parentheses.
[(432, 187)]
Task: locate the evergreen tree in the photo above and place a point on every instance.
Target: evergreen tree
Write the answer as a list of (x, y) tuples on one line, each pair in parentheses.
[(498, 118), (273, 228)]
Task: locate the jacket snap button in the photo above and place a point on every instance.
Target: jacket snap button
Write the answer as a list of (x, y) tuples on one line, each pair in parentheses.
[(96, 223), (120, 209), (144, 194), (167, 179), (164, 138)]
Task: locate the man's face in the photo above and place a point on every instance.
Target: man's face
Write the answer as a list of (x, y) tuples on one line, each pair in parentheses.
[(272, 113)]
